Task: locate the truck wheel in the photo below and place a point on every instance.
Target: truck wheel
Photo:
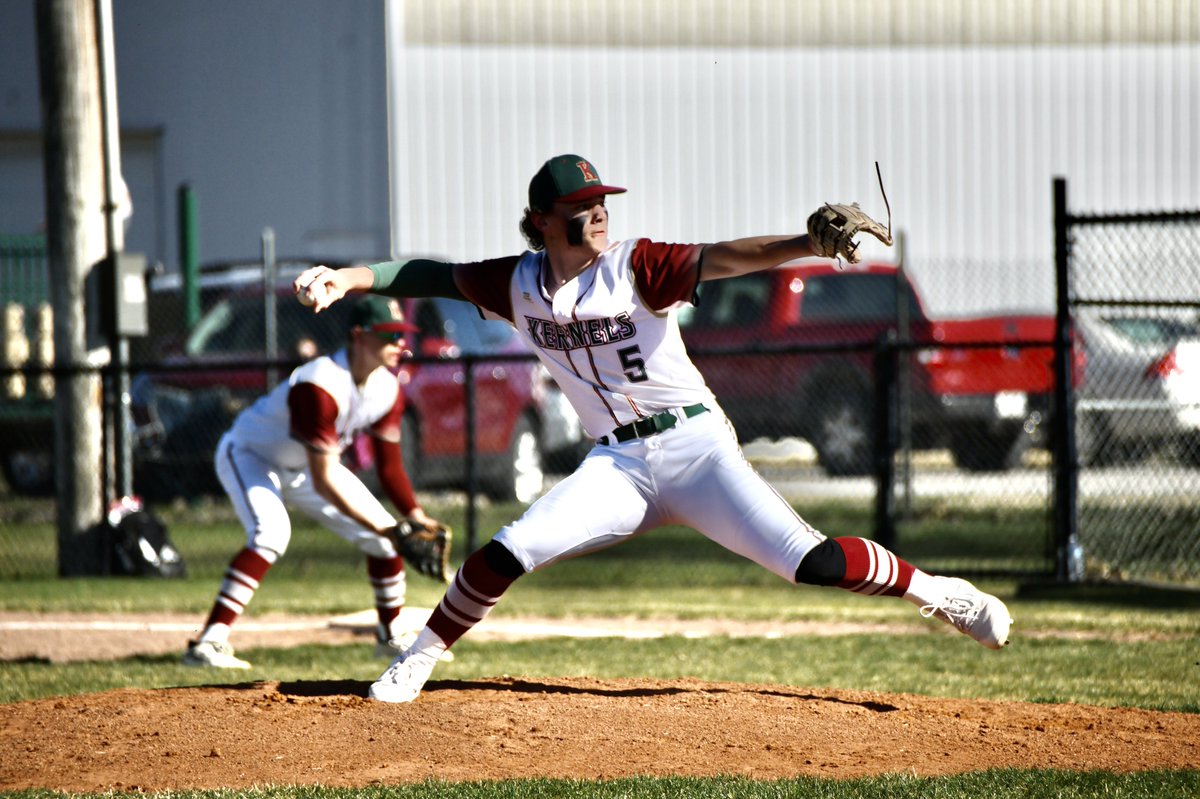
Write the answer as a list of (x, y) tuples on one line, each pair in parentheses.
[(842, 436), (29, 472), (1188, 449), (522, 474), (987, 451)]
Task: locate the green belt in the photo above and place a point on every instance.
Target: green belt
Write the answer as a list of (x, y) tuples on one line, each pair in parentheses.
[(651, 425)]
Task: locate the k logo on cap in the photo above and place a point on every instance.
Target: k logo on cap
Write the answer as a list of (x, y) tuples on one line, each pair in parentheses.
[(569, 179)]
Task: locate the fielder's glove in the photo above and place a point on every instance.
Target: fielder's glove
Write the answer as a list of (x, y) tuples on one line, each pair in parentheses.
[(425, 548), (832, 229)]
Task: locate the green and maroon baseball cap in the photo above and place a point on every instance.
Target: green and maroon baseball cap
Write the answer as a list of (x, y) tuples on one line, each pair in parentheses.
[(380, 315), (569, 179)]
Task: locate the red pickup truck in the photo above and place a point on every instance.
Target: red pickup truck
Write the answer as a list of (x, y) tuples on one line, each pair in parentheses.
[(789, 352)]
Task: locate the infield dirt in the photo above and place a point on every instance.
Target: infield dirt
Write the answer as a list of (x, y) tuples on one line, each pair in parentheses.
[(327, 732)]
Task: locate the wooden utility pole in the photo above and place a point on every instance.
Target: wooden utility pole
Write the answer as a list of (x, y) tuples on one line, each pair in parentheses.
[(76, 245)]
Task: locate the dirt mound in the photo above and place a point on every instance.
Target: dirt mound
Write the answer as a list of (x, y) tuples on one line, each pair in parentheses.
[(329, 733)]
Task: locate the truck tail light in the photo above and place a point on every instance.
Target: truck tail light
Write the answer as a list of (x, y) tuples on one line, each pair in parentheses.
[(930, 356)]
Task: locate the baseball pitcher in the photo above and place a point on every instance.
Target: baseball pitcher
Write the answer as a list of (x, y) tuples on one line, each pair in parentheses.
[(601, 316)]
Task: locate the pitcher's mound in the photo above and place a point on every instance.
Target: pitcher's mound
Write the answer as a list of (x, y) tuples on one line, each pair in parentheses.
[(329, 733)]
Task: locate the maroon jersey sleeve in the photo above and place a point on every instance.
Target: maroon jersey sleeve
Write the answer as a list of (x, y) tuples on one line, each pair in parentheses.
[(313, 415), (666, 273), (389, 466), (487, 283)]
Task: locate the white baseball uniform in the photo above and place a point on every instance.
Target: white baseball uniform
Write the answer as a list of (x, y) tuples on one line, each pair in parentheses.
[(262, 460), (610, 337)]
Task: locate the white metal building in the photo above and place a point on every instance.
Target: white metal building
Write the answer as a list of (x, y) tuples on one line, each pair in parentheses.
[(730, 119), (723, 118)]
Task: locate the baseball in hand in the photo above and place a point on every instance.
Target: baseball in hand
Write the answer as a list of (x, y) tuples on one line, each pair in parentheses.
[(308, 295)]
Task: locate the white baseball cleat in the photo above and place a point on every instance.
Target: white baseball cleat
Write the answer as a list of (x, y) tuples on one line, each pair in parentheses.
[(404, 679), (213, 655), (972, 612)]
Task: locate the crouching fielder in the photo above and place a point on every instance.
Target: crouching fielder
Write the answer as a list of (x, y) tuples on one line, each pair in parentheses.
[(601, 316), (284, 451)]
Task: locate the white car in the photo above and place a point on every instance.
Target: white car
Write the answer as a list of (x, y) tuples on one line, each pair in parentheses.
[(1140, 394)]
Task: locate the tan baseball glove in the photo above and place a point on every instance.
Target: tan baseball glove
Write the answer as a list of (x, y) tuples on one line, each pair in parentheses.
[(425, 548), (832, 229)]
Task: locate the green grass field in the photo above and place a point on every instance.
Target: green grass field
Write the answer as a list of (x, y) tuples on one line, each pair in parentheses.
[(1099, 645)]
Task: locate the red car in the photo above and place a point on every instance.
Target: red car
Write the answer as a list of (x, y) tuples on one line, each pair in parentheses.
[(523, 425)]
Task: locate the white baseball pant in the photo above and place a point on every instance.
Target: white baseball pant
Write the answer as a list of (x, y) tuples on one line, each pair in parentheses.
[(693, 474), (262, 492)]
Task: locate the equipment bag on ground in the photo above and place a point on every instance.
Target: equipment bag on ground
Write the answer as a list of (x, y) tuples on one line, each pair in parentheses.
[(138, 543)]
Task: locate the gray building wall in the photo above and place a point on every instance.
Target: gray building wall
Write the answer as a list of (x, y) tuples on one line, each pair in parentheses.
[(273, 111)]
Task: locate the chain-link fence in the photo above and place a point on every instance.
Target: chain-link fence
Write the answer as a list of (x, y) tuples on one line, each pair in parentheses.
[(842, 386), (827, 375), (1135, 299)]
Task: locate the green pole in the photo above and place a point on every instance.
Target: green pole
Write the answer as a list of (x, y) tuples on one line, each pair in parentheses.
[(189, 259)]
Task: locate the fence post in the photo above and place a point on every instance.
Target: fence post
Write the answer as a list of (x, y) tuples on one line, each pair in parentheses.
[(1066, 464), (189, 257), (270, 305), (885, 439), (472, 463), (904, 378)]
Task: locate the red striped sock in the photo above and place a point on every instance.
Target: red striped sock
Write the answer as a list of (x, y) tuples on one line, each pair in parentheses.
[(388, 583), (242, 578), (475, 590), (871, 569)]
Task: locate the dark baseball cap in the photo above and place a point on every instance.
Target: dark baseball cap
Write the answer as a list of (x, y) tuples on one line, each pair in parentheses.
[(566, 178), (380, 315)]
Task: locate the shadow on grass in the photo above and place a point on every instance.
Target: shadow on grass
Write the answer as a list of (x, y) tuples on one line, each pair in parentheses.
[(1128, 596)]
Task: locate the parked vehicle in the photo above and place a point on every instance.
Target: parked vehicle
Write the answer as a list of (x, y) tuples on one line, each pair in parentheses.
[(1141, 389), (813, 330), (27, 451), (27, 411), (524, 427)]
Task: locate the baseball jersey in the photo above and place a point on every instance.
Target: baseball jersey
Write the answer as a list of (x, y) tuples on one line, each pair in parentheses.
[(319, 407), (610, 336)]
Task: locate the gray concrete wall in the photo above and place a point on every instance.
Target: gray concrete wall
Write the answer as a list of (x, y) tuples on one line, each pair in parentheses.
[(274, 111)]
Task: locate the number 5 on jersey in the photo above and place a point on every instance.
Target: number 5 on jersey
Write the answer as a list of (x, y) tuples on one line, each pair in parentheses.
[(632, 364)]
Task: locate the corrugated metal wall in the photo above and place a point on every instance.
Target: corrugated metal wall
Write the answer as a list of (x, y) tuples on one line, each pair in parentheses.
[(732, 119)]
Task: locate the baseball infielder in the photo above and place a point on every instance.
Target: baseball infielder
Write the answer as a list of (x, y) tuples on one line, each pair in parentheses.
[(285, 450), (601, 316)]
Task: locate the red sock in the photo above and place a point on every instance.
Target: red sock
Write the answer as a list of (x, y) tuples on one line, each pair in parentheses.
[(871, 569), (475, 590), (242, 579), (388, 583)]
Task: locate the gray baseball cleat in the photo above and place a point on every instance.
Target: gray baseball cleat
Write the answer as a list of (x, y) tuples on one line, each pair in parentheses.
[(972, 612), (213, 655)]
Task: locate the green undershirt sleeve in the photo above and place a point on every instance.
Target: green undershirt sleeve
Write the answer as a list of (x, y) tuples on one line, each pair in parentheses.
[(417, 277)]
